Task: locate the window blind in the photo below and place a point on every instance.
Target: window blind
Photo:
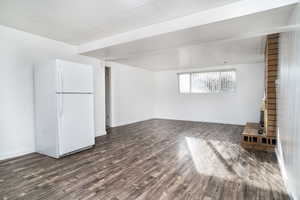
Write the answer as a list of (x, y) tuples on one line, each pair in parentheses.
[(207, 82)]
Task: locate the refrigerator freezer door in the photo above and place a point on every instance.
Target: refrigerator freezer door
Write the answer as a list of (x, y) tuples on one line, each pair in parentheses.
[(76, 122), (74, 77)]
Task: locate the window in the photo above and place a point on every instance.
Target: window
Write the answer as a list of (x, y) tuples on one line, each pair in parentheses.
[(207, 82), (184, 83)]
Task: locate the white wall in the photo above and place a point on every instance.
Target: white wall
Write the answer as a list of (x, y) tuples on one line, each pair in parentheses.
[(132, 91), (139, 94), (288, 106), (99, 88), (19, 52), (288, 148), (233, 108)]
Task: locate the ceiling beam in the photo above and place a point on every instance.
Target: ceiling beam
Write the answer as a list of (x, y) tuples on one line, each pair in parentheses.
[(230, 11)]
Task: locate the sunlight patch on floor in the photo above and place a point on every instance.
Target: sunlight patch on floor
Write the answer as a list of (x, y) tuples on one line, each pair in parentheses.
[(223, 160)]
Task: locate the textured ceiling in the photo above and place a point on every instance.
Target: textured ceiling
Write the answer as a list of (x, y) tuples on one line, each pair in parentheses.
[(80, 21), (194, 56)]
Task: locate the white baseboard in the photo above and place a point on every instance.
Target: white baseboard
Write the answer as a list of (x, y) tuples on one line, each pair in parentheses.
[(212, 121), (100, 133), (129, 122), (16, 154)]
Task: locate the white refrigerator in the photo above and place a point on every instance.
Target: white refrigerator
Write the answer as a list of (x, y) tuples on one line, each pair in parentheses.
[(64, 108)]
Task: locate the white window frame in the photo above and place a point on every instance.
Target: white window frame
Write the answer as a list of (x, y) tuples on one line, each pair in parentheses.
[(178, 82), (206, 71)]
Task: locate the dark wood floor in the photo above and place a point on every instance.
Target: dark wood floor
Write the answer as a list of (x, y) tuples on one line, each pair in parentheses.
[(155, 159)]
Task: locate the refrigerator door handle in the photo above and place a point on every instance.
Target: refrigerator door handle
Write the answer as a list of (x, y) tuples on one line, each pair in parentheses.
[(61, 104), (62, 96), (60, 80), (60, 83)]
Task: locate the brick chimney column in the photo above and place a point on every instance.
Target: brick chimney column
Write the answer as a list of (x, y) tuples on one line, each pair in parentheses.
[(272, 46)]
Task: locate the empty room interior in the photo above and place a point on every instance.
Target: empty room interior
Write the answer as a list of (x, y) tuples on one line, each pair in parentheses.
[(149, 99)]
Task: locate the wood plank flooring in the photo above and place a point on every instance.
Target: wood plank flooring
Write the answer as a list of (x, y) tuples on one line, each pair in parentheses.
[(154, 159)]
